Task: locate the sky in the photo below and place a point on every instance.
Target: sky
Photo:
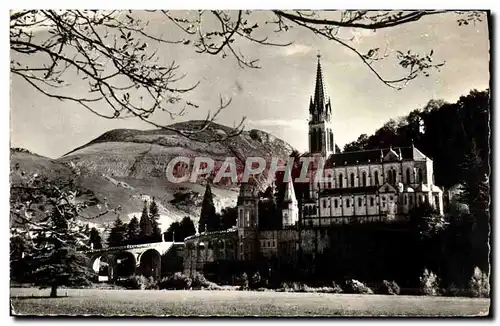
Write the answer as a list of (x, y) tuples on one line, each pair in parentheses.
[(275, 98)]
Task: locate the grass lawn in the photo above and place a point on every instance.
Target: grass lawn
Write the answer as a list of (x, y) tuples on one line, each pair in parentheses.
[(235, 303)]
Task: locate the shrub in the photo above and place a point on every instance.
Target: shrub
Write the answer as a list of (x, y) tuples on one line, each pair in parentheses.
[(199, 281), (134, 282), (479, 284), (356, 287), (256, 281), (429, 283), (292, 287), (178, 281), (151, 284), (390, 288), (454, 291)]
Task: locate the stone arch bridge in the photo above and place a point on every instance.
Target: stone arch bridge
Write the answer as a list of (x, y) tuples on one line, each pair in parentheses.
[(155, 260)]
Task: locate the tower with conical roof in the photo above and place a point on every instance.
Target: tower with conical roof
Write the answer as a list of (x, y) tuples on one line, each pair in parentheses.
[(321, 139)]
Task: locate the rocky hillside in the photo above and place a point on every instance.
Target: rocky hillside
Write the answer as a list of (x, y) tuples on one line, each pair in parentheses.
[(124, 167)]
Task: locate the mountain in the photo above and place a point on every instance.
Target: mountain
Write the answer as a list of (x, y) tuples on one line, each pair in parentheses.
[(124, 167)]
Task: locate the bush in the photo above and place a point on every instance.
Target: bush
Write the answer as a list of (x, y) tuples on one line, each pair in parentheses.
[(356, 287), (454, 291), (256, 281), (134, 282), (199, 281), (429, 283), (151, 284), (178, 281), (479, 284), (390, 288)]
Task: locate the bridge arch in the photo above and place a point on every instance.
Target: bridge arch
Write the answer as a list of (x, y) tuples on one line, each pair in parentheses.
[(124, 264), (150, 263), (100, 265)]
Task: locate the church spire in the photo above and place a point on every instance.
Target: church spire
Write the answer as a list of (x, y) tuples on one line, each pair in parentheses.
[(319, 92)]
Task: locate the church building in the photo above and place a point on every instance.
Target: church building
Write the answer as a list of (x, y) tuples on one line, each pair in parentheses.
[(380, 185)]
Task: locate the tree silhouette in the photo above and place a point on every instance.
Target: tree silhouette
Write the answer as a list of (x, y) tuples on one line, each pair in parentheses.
[(95, 239), (145, 225), (47, 216), (154, 216), (178, 231), (117, 236), (209, 220), (133, 231)]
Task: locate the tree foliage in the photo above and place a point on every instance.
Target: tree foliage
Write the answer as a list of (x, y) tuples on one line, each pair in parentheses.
[(178, 231), (117, 236), (116, 56), (209, 219), (443, 131), (133, 231), (95, 240), (145, 224), (46, 218), (154, 216)]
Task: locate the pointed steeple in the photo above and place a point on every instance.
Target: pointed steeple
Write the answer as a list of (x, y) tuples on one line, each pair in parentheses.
[(289, 196), (319, 91)]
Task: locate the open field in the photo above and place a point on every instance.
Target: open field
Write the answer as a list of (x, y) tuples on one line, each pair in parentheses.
[(236, 303)]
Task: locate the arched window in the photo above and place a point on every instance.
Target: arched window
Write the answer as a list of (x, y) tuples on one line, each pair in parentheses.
[(394, 180), (329, 185), (372, 201), (314, 210), (331, 141), (408, 179), (375, 176), (364, 179), (336, 203), (347, 203), (352, 179), (360, 201), (420, 177), (341, 181), (389, 177)]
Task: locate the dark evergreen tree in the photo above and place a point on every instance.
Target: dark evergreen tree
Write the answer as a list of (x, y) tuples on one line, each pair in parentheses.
[(209, 219), (95, 239), (58, 261), (145, 225), (117, 236), (154, 216), (229, 215), (178, 231), (133, 231)]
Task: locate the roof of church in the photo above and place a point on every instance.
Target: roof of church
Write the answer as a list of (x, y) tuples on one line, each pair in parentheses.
[(341, 191), (375, 155)]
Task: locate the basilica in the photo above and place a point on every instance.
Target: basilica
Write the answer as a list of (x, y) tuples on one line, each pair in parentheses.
[(380, 185)]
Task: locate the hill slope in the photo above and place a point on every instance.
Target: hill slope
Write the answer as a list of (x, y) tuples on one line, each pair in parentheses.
[(124, 167)]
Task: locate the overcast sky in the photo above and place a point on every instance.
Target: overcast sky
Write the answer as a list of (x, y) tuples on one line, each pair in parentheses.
[(275, 98)]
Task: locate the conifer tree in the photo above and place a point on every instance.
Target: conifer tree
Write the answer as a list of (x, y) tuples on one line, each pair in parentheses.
[(95, 240), (133, 231), (117, 235), (208, 217), (145, 225), (57, 239), (154, 216)]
